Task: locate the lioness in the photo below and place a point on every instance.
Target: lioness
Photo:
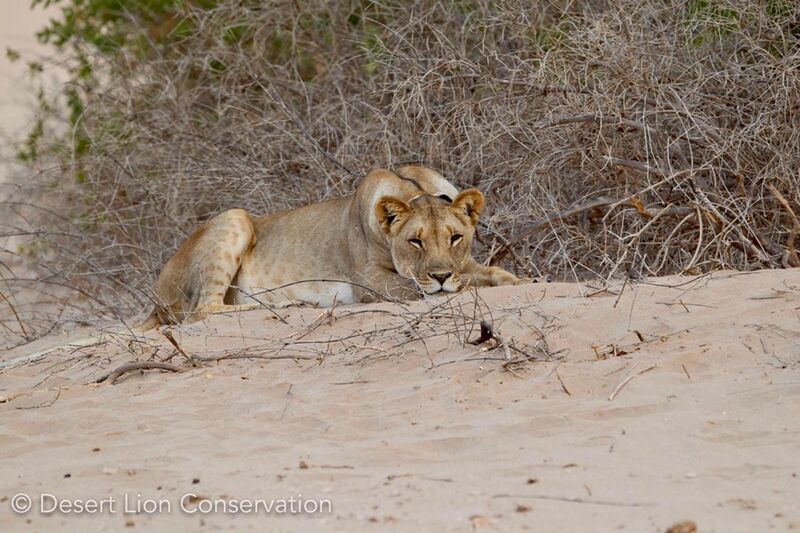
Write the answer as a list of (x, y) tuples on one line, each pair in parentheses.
[(401, 232)]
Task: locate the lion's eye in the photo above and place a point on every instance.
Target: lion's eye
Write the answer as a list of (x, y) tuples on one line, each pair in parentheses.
[(455, 239), (415, 242)]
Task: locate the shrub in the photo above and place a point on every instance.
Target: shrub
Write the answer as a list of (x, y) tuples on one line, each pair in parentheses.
[(612, 138)]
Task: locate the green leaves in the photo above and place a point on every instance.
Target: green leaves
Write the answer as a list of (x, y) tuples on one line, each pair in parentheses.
[(12, 55)]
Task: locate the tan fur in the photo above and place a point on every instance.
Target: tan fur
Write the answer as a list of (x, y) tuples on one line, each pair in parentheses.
[(351, 249)]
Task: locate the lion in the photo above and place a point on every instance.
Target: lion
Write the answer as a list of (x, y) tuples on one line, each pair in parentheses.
[(402, 234)]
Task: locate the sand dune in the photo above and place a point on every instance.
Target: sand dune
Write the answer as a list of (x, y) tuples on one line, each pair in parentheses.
[(385, 411)]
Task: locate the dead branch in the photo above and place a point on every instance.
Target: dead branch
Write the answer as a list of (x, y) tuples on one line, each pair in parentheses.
[(643, 167), (16, 316), (749, 245), (546, 221), (599, 119), (168, 334), (113, 376), (487, 333), (648, 212), (791, 258)]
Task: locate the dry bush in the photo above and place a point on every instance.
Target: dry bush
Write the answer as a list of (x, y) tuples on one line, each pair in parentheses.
[(612, 138)]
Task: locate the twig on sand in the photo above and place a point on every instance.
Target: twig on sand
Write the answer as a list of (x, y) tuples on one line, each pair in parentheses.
[(45, 404), (622, 290), (113, 376), (596, 292), (574, 500), (237, 354), (563, 387), (168, 334), (628, 378), (488, 333), (288, 399)]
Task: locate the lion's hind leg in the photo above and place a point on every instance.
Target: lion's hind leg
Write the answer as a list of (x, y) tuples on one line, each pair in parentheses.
[(194, 282), (230, 239)]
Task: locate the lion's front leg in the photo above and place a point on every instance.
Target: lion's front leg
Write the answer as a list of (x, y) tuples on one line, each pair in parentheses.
[(489, 276), (384, 283)]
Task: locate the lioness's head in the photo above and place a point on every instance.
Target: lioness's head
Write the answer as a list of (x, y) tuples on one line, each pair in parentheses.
[(430, 237)]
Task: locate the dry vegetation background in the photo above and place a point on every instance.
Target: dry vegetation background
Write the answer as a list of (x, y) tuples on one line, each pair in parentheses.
[(612, 138)]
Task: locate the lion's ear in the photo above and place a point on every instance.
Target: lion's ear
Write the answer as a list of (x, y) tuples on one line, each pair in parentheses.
[(470, 202), (390, 210)]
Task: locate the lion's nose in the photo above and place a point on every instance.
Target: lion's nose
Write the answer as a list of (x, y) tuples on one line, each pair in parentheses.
[(441, 277)]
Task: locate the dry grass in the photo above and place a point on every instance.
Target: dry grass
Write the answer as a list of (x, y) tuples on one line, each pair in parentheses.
[(612, 138)]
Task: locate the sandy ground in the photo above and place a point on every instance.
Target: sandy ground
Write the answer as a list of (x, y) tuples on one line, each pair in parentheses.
[(384, 411)]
